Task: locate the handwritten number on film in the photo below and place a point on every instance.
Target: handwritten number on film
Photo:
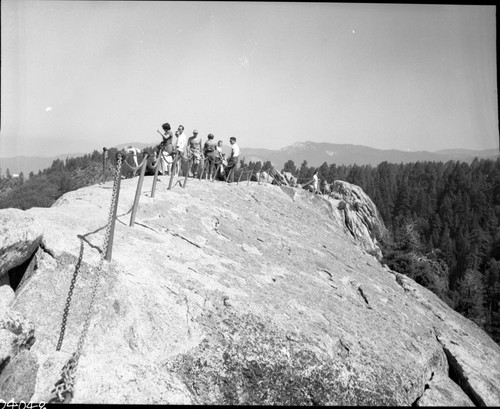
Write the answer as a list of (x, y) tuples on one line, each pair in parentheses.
[(20, 405)]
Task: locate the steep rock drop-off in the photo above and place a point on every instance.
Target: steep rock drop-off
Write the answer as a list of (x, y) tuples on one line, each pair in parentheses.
[(233, 294)]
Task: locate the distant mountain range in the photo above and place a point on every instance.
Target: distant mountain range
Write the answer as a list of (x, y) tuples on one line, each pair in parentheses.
[(313, 152), (27, 164), (343, 154)]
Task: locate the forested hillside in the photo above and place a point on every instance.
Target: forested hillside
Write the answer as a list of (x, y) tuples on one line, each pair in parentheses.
[(45, 187), (442, 218)]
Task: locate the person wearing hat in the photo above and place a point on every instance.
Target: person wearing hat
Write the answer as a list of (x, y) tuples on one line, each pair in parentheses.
[(209, 150), (194, 146)]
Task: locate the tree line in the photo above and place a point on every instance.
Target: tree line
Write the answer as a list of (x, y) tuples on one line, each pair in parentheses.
[(442, 219), (42, 189)]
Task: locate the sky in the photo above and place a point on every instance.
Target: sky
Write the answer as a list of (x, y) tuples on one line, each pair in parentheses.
[(80, 75)]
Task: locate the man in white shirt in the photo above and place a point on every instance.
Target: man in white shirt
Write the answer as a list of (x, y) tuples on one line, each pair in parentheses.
[(181, 147), (181, 140), (233, 159)]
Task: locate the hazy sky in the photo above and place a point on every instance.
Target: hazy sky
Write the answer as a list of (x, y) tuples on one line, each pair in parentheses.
[(80, 75)]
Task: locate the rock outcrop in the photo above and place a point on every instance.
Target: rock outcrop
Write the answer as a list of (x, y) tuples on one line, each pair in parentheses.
[(235, 294), (18, 366), (360, 215), (20, 236)]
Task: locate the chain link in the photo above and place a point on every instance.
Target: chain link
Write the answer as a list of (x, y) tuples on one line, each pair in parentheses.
[(68, 301), (63, 390)]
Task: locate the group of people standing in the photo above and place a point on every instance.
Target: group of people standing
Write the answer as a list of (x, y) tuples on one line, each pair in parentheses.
[(180, 146)]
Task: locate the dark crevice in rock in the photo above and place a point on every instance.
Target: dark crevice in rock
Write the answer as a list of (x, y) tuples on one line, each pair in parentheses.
[(344, 350), (183, 238), (415, 403), (46, 250), (147, 227), (456, 374), (360, 291), (22, 272), (4, 363), (221, 234)]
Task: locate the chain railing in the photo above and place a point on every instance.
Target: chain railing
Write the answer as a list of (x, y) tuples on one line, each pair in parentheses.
[(173, 169), (206, 164), (179, 159), (159, 162), (218, 165), (104, 160), (243, 171), (142, 167), (189, 161), (63, 391)]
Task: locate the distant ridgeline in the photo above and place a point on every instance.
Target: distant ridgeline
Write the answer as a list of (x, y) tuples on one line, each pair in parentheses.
[(442, 218)]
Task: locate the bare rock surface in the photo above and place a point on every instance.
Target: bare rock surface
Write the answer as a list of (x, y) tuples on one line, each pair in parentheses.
[(236, 294)]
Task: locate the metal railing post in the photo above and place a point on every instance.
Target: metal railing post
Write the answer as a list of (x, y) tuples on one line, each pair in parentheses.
[(138, 191), (104, 157), (231, 173), (203, 169), (155, 177), (173, 169), (241, 174), (187, 172), (109, 249), (250, 177)]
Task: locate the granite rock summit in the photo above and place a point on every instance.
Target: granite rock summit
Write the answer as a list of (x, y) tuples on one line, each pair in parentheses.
[(230, 294)]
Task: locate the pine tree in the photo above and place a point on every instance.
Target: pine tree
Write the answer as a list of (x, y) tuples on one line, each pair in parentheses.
[(290, 167), (471, 294)]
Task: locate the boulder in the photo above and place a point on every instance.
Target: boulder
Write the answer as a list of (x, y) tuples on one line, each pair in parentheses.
[(442, 389), (17, 380), (16, 332), (291, 180), (360, 215), (235, 294), (6, 296), (20, 236)]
